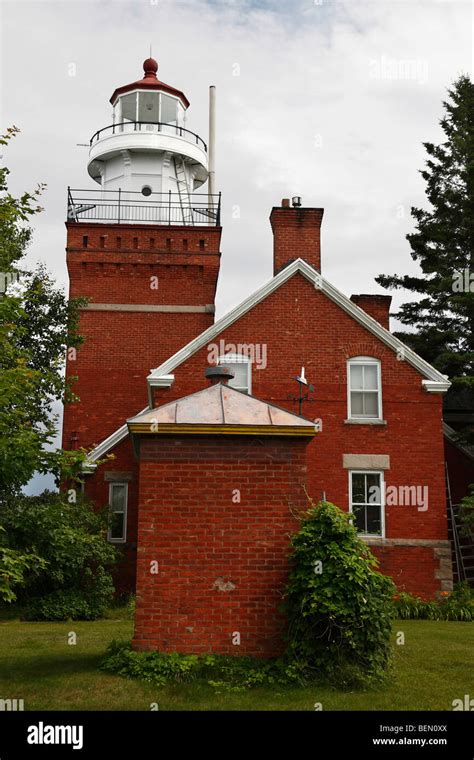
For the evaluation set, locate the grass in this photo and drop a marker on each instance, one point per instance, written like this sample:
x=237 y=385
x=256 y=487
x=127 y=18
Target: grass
x=435 y=666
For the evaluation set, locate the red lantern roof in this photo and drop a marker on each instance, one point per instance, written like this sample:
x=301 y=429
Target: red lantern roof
x=150 y=82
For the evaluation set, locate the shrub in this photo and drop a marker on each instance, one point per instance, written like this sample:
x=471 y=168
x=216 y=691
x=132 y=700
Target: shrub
x=71 y=540
x=70 y=604
x=228 y=673
x=459 y=605
x=339 y=607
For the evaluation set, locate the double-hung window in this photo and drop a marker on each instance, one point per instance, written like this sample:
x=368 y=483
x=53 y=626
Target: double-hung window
x=118 y=497
x=366 y=501
x=364 y=388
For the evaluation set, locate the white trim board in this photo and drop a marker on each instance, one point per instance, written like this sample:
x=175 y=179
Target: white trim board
x=438 y=382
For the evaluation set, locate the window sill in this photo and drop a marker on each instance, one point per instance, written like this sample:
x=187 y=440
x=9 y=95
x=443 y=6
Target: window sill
x=365 y=422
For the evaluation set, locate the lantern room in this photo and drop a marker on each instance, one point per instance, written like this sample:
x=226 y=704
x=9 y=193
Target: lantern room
x=149 y=101
x=148 y=155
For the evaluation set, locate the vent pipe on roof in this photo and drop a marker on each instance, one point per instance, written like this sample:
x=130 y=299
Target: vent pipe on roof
x=219 y=375
x=212 y=144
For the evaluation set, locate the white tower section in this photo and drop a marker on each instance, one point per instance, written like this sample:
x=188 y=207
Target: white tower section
x=147 y=150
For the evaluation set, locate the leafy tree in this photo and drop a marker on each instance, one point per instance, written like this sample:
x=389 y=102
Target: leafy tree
x=339 y=606
x=13 y=566
x=442 y=320
x=37 y=325
x=69 y=536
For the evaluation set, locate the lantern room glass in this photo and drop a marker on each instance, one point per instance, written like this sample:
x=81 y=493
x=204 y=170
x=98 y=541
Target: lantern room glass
x=149 y=106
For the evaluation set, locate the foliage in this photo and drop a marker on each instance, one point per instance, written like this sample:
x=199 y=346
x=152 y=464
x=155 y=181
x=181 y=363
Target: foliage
x=88 y=603
x=339 y=607
x=228 y=673
x=70 y=536
x=458 y=605
x=37 y=325
x=466 y=513
x=13 y=566
x=442 y=320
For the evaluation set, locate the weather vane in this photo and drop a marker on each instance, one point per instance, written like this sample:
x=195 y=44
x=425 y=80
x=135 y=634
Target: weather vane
x=303 y=383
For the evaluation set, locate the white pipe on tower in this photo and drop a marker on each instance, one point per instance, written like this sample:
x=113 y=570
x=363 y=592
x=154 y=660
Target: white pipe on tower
x=212 y=144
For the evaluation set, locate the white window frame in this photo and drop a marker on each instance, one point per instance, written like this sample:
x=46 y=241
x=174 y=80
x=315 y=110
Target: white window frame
x=364 y=360
x=380 y=473
x=233 y=358
x=125 y=514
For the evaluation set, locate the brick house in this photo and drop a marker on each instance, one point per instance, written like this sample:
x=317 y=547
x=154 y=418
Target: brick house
x=372 y=439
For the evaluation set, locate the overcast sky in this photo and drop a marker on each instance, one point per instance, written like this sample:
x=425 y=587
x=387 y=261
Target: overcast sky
x=327 y=99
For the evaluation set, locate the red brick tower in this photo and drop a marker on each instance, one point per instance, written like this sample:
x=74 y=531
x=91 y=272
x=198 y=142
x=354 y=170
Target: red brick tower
x=144 y=249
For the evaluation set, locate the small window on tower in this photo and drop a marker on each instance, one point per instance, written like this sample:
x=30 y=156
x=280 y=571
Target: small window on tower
x=146 y=190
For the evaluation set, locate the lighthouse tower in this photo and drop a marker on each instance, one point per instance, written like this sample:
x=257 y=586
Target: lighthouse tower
x=147 y=159
x=143 y=246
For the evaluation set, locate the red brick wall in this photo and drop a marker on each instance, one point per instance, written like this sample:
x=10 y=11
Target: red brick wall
x=413 y=569
x=116 y=264
x=376 y=306
x=301 y=326
x=296 y=234
x=203 y=540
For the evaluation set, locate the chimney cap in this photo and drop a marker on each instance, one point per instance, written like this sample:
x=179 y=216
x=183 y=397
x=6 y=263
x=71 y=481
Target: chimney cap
x=296 y=201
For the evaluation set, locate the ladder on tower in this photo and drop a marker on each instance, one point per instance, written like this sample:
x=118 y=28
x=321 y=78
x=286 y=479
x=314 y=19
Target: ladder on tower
x=183 y=190
x=462 y=541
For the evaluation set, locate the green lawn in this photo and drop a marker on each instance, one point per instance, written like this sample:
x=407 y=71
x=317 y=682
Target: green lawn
x=435 y=666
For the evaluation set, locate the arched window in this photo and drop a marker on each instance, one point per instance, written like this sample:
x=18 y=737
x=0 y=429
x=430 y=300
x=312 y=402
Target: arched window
x=241 y=367
x=364 y=388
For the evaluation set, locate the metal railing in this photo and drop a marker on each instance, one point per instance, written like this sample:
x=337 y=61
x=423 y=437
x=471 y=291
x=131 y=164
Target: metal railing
x=150 y=127
x=124 y=206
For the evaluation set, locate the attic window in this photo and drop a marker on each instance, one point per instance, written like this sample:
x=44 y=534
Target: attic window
x=241 y=367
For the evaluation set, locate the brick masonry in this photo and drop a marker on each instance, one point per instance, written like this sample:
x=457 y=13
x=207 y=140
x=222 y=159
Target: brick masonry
x=222 y=562
x=299 y=326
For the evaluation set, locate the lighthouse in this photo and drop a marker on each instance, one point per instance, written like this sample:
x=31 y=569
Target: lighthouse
x=143 y=247
x=148 y=163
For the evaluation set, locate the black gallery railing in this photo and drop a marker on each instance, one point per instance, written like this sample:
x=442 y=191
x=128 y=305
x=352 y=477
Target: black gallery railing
x=148 y=127
x=123 y=206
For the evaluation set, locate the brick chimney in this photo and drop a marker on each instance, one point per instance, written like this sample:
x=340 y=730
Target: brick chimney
x=377 y=307
x=296 y=234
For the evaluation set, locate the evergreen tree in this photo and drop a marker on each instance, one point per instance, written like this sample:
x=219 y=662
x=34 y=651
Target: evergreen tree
x=442 y=320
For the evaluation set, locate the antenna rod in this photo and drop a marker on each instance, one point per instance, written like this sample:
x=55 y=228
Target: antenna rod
x=212 y=145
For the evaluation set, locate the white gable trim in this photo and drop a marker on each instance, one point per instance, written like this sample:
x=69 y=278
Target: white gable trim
x=333 y=293
x=438 y=383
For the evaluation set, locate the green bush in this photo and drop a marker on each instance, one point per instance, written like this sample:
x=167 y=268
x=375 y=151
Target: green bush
x=459 y=605
x=70 y=538
x=228 y=673
x=339 y=607
x=69 y=604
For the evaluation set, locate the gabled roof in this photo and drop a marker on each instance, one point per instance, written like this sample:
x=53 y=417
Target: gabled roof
x=220 y=410
x=433 y=382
